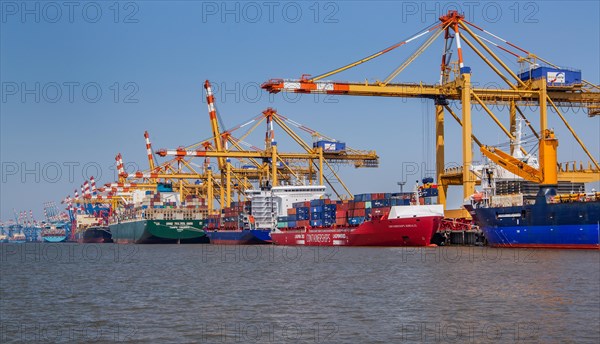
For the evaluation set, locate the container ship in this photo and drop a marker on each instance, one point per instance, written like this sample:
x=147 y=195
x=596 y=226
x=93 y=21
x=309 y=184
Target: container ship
x=378 y=219
x=236 y=227
x=92 y=229
x=251 y=222
x=513 y=212
x=160 y=218
x=5 y=233
x=550 y=220
x=97 y=235
x=16 y=235
x=56 y=231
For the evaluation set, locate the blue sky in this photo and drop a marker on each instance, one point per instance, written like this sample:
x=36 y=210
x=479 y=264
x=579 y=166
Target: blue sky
x=149 y=59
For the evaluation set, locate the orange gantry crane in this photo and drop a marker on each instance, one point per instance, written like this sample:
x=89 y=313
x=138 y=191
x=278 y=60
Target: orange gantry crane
x=524 y=89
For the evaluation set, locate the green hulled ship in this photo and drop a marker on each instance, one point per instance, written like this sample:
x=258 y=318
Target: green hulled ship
x=159 y=231
x=160 y=226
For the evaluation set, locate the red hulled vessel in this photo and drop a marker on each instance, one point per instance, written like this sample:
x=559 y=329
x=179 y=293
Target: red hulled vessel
x=412 y=225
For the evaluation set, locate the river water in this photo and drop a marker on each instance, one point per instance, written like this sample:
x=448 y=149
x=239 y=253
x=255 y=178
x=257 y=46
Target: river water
x=103 y=293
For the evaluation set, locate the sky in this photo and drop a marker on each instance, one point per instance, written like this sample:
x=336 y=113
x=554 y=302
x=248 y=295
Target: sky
x=82 y=81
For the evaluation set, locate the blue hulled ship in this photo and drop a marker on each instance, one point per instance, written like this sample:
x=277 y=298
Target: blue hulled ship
x=548 y=221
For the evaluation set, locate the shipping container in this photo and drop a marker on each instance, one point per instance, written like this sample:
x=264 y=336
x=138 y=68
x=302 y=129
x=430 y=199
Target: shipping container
x=316 y=223
x=317 y=209
x=554 y=76
x=355 y=220
x=302 y=216
x=317 y=202
x=378 y=203
x=330 y=146
x=329 y=207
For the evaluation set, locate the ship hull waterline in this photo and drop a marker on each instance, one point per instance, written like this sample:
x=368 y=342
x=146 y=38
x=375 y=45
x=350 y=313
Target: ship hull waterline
x=240 y=237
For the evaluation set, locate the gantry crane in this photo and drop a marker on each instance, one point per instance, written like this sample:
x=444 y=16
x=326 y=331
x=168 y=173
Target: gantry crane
x=270 y=164
x=521 y=91
x=271 y=156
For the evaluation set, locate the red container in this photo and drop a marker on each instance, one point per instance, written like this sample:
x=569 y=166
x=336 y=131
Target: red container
x=340 y=214
x=380 y=211
x=343 y=206
x=303 y=223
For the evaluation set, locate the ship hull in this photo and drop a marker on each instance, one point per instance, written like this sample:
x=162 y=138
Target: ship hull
x=159 y=232
x=55 y=239
x=556 y=225
x=416 y=231
x=240 y=237
x=96 y=236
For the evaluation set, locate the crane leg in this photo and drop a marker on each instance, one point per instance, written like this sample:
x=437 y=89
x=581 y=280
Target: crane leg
x=467 y=130
x=439 y=153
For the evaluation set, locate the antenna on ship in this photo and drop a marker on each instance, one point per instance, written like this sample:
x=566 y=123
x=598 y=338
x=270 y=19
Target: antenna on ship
x=401 y=184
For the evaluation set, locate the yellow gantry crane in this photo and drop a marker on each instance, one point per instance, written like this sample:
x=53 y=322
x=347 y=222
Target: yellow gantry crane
x=525 y=89
x=269 y=164
x=278 y=165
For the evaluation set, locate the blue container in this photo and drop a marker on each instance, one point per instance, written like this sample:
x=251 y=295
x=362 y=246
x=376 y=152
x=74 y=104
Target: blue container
x=329 y=207
x=317 y=209
x=362 y=198
x=161 y=187
x=329 y=215
x=292 y=217
x=554 y=76
x=316 y=223
x=292 y=224
x=317 y=202
x=316 y=216
x=330 y=146
x=302 y=217
x=302 y=210
x=356 y=220
x=380 y=203
x=328 y=222
x=282 y=218
x=429 y=192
